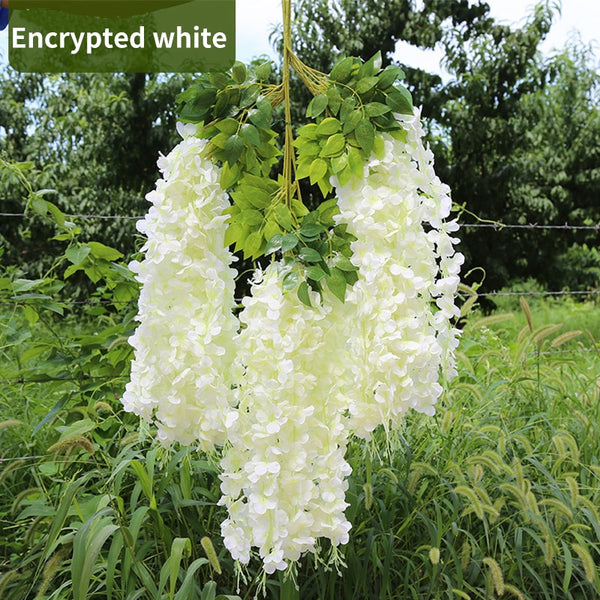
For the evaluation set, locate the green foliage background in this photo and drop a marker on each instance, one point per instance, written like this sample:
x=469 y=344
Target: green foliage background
x=514 y=134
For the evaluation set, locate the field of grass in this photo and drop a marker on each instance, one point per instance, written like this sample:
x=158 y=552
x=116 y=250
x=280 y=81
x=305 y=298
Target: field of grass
x=498 y=495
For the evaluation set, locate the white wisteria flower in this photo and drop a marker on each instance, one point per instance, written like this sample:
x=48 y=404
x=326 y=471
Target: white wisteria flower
x=284 y=473
x=402 y=306
x=184 y=344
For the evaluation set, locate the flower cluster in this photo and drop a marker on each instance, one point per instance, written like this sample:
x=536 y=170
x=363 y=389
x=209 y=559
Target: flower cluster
x=184 y=344
x=283 y=386
x=402 y=305
x=284 y=473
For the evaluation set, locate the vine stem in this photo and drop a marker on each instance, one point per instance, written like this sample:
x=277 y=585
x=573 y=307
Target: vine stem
x=288 y=590
x=289 y=134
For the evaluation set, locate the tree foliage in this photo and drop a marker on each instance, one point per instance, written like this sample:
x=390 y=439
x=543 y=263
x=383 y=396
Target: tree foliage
x=91 y=141
x=513 y=134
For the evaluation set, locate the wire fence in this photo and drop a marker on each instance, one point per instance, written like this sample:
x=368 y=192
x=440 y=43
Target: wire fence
x=496 y=225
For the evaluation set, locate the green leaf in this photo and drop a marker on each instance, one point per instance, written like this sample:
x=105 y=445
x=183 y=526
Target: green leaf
x=309 y=255
x=284 y=217
x=339 y=162
x=375 y=109
x=273 y=244
x=311 y=230
x=366 y=84
x=308 y=131
x=251 y=217
x=309 y=148
x=263 y=71
x=251 y=135
x=335 y=99
x=298 y=208
x=317 y=105
x=389 y=76
x=318 y=170
x=342 y=69
x=235 y=233
x=259 y=118
x=238 y=72
x=249 y=95
x=327 y=210
x=290 y=281
x=77 y=254
x=344 y=264
x=344 y=176
x=179 y=548
x=336 y=282
x=371 y=66
x=365 y=135
x=348 y=105
x=303 y=167
x=351 y=121
x=230 y=176
x=233 y=149
x=71 y=269
x=400 y=100
x=31 y=314
x=334 y=145
x=325 y=186
x=219 y=80
x=289 y=242
x=303 y=294
x=257 y=197
x=38 y=205
x=101 y=251
x=228 y=126
x=220 y=139
x=328 y=126
x=252 y=244
x=87 y=545
x=315 y=272
x=356 y=162
x=271 y=229
x=264 y=106
x=55 y=213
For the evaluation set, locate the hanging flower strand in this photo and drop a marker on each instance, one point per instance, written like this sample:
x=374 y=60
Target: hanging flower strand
x=284 y=472
x=184 y=344
x=402 y=305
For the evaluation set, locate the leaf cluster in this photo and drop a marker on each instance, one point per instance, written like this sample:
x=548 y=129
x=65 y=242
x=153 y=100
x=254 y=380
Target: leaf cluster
x=361 y=100
x=267 y=215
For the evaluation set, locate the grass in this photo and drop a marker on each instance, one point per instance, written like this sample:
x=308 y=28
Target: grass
x=496 y=496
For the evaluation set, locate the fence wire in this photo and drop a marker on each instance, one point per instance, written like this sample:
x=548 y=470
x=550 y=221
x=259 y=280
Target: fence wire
x=496 y=225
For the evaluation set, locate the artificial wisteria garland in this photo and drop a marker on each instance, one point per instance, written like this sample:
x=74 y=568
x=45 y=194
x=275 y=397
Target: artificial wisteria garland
x=284 y=471
x=347 y=326
x=185 y=343
x=402 y=306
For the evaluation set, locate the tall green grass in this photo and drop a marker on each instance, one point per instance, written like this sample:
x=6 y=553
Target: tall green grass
x=497 y=496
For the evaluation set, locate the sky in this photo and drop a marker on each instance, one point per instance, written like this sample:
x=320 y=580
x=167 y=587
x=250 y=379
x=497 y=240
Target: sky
x=256 y=19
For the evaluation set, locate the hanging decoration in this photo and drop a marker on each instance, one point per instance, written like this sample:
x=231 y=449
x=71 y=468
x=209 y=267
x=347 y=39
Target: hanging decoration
x=349 y=319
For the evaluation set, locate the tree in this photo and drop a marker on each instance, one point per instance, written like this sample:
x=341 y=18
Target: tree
x=484 y=131
x=94 y=140
x=560 y=171
x=493 y=126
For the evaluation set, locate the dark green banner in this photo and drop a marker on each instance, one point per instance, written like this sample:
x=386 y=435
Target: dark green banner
x=134 y=36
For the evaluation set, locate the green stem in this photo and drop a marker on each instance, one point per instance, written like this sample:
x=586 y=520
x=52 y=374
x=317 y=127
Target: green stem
x=289 y=135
